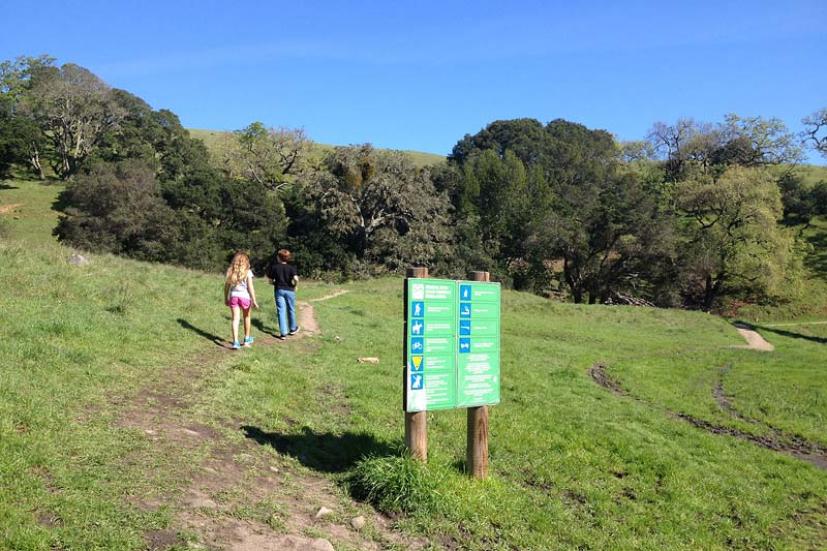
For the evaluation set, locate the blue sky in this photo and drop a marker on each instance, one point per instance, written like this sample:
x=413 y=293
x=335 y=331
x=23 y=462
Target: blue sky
x=420 y=75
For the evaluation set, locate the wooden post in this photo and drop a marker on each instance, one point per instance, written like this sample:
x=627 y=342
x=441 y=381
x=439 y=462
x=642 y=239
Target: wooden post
x=476 y=451
x=416 y=428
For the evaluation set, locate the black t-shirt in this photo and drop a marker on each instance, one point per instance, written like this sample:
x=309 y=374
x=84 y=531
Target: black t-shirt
x=282 y=275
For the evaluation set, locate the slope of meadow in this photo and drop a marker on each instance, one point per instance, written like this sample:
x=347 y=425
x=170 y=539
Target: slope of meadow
x=672 y=455
x=419 y=158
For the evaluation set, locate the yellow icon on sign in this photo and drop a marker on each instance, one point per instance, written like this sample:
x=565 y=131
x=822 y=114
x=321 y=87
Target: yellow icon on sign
x=416 y=363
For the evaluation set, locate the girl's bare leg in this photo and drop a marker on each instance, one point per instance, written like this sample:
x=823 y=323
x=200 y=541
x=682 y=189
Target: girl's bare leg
x=236 y=318
x=248 y=319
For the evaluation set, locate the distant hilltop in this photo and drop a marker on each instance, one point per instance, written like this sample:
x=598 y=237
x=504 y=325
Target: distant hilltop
x=419 y=158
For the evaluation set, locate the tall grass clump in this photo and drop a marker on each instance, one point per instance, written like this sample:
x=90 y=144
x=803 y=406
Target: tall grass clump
x=397 y=484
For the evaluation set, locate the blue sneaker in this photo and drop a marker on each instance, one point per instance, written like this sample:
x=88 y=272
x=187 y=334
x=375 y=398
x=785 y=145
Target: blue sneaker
x=248 y=341
x=235 y=345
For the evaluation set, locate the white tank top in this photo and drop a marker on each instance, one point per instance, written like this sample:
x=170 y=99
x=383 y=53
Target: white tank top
x=240 y=289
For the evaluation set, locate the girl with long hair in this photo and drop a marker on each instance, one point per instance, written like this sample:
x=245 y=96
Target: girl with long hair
x=240 y=296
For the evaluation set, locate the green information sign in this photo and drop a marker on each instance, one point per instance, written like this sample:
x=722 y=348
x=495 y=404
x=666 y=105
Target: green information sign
x=452 y=344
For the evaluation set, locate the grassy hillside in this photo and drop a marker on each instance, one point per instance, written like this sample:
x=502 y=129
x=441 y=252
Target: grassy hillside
x=117 y=407
x=419 y=158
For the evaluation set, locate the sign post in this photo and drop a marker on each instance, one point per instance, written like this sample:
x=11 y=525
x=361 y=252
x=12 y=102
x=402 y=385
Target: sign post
x=476 y=450
x=452 y=357
x=416 y=427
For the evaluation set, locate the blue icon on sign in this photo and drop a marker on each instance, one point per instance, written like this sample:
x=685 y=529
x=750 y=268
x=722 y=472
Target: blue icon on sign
x=464 y=345
x=417 y=309
x=464 y=327
x=417 y=327
x=465 y=292
x=465 y=309
x=417 y=345
x=417 y=382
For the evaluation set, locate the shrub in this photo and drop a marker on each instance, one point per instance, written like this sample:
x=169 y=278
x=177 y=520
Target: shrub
x=396 y=485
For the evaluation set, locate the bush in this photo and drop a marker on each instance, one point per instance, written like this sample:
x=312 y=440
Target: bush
x=396 y=485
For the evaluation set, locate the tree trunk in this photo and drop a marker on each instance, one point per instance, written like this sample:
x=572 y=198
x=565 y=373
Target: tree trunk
x=34 y=159
x=712 y=288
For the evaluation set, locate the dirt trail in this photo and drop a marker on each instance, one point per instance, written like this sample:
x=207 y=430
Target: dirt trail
x=754 y=339
x=307 y=314
x=236 y=484
x=5 y=209
x=775 y=439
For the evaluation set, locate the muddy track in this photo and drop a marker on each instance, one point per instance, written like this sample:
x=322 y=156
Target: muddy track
x=776 y=439
x=232 y=475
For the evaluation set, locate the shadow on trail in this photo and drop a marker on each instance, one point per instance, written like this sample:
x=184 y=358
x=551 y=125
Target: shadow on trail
x=264 y=328
x=209 y=336
x=325 y=452
x=791 y=334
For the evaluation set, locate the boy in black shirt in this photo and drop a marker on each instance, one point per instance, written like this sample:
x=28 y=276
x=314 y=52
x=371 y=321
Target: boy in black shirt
x=284 y=278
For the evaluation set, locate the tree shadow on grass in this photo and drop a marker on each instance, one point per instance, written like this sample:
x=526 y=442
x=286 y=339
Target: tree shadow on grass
x=816 y=261
x=209 y=336
x=325 y=452
x=4 y=185
x=819 y=340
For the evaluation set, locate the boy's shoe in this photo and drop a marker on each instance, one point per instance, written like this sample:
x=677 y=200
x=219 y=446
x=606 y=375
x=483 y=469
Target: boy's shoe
x=294 y=331
x=281 y=337
x=248 y=341
x=235 y=345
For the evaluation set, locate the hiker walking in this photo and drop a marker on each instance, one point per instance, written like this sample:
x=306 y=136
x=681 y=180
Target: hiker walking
x=240 y=296
x=284 y=278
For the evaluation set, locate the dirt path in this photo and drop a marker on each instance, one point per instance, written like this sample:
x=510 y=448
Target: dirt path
x=237 y=494
x=754 y=339
x=307 y=314
x=5 y=209
x=775 y=439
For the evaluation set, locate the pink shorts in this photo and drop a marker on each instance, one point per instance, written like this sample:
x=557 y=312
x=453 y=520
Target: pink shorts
x=241 y=302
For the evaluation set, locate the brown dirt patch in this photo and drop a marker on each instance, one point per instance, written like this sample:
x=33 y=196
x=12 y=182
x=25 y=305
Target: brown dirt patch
x=160 y=540
x=598 y=373
x=240 y=495
x=754 y=339
x=5 y=209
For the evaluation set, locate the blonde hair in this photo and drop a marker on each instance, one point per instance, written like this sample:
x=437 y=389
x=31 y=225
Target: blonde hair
x=237 y=272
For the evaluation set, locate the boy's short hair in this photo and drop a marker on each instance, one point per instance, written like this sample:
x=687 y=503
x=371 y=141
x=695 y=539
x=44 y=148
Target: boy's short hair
x=284 y=255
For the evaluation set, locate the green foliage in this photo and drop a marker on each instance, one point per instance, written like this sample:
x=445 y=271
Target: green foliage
x=732 y=238
x=117 y=208
x=396 y=485
x=266 y=156
x=377 y=206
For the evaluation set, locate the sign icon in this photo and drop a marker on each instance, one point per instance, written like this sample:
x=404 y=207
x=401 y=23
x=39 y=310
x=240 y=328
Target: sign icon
x=418 y=309
x=465 y=327
x=417 y=327
x=417 y=382
x=417 y=363
x=465 y=309
x=417 y=345
x=465 y=292
x=418 y=291
x=464 y=345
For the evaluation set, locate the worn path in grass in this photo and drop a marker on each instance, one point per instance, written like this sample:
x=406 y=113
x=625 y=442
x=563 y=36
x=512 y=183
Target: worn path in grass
x=754 y=339
x=234 y=477
x=775 y=438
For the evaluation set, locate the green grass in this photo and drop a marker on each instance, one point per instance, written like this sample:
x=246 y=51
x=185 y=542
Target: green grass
x=419 y=158
x=572 y=464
